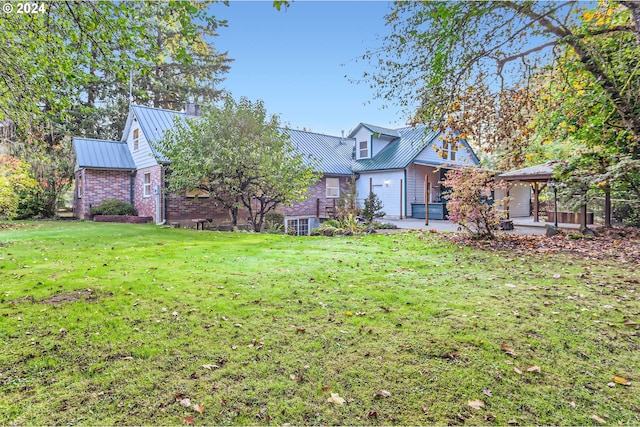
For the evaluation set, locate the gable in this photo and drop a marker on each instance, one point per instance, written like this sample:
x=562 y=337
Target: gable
x=433 y=153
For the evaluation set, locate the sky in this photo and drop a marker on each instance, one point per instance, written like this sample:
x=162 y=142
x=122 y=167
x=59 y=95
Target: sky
x=300 y=61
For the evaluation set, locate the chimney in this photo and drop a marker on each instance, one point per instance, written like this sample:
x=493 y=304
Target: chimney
x=192 y=109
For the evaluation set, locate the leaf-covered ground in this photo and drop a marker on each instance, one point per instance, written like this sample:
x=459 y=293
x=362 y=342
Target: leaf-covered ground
x=615 y=244
x=105 y=324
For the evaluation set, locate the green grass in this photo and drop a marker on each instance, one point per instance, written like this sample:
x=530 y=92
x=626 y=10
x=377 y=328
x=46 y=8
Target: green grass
x=105 y=324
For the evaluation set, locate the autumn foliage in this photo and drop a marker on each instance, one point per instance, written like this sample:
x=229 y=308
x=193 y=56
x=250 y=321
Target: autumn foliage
x=470 y=202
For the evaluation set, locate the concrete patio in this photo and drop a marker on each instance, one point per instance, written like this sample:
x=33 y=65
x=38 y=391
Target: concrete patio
x=520 y=225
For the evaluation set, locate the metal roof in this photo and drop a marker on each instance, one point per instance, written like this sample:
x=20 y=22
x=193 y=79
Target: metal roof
x=154 y=122
x=542 y=172
x=376 y=129
x=398 y=154
x=332 y=153
x=102 y=154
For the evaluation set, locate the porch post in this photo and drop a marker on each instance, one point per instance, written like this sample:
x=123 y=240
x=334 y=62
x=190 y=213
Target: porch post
x=536 y=201
x=426 y=198
x=370 y=185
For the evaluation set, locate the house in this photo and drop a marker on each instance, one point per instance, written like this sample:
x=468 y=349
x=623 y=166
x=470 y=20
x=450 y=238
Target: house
x=396 y=164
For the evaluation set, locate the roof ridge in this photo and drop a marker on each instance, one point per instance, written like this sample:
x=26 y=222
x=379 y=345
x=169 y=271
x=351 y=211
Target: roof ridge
x=317 y=133
x=159 y=109
x=98 y=140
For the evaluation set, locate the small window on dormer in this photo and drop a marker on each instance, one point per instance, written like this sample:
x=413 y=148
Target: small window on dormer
x=135 y=139
x=364 y=149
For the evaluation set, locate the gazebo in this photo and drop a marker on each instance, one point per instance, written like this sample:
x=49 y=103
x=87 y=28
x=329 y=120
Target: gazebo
x=537 y=176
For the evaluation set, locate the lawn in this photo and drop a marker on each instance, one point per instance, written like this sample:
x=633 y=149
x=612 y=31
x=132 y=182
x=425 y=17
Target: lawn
x=105 y=324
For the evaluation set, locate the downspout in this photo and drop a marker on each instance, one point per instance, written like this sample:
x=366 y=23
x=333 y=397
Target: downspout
x=164 y=195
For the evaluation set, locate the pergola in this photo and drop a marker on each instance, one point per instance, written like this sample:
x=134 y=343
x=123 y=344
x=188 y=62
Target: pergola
x=538 y=176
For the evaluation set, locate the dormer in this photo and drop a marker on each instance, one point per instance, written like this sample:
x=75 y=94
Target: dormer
x=370 y=140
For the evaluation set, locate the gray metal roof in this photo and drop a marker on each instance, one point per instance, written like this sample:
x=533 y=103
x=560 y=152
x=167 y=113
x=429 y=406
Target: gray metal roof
x=543 y=172
x=398 y=154
x=377 y=130
x=101 y=154
x=154 y=122
x=332 y=153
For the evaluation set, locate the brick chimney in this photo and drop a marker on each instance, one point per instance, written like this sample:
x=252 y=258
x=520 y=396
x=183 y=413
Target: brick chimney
x=192 y=109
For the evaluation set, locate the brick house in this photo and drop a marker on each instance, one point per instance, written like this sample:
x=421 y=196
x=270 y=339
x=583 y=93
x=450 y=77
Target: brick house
x=396 y=164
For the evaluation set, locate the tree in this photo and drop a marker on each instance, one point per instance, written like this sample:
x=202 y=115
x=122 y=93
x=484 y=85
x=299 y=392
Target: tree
x=438 y=51
x=347 y=204
x=470 y=201
x=240 y=157
x=372 y=208
x=16 y=187
x=65 y=71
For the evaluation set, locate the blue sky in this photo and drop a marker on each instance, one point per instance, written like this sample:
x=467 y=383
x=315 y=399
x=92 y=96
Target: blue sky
x=296 y=60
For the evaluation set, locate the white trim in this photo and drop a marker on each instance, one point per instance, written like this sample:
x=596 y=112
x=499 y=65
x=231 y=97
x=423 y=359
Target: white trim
x=146 y=186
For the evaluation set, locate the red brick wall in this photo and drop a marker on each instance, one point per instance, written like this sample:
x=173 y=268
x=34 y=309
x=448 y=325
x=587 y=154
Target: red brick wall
x=310 y=206
x=146 y=206
x=180 y=207
x=100 y=185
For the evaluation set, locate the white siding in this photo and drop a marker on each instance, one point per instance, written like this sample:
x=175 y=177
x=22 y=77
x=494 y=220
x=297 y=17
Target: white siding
x=429 y=155
x=520 y=200
x=363 y=134
x=143 y=156
x=386 y=185
x=380 y=143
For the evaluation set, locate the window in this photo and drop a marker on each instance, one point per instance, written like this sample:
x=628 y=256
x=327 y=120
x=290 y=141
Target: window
x=299 y=227
x=364 y=149
x=136 y=133
x=146 y=188
x=333 y=187
x=79 y=183
x=449 y=150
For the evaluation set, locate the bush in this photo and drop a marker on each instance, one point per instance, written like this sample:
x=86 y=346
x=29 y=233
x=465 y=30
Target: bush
x=113 y=207
x=335 y=227
x=274 y=217
x=372 y=208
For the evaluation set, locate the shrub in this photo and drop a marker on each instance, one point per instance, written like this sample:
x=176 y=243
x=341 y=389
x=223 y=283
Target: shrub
x=348 y=202
x=113 y=207
x=372 y=208
x=274 y=217
x=470 y=202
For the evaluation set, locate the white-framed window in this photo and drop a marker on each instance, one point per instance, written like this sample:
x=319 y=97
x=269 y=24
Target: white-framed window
x=298 y=226
x=363 y=149
x=146 y=186
x=333 y=187
x=136 y=138
x=79 y=183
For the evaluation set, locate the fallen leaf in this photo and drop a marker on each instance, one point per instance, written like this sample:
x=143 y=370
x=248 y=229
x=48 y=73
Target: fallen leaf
x=621 y=380
x=508 y=350
x=238 y=325
x=211 y=367
x=487 y=392
x=361 y=313
x=598 y=419
x=489 y=417
x=510 y=285
x=381 y=394
x=335 y=398
x=300 y=330
x=556 y=276
x=372 y=414
x=189 y=420
x=534 y=369
x=424 y=409
x=262 y=412
x=186 y=402
x=631 y=324
x=175 y=313
x=571 y=403
x=327 y=389
x=476 y=404
x=348 y=313
x=198 y=408
x=512 y=422
x=517 y=371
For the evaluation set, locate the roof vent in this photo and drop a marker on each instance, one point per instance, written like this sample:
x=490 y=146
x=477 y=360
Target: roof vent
x=192 y=109
x=342 y=139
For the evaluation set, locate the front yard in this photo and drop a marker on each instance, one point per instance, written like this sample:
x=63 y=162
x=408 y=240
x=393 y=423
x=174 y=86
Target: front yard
x=126 y=324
